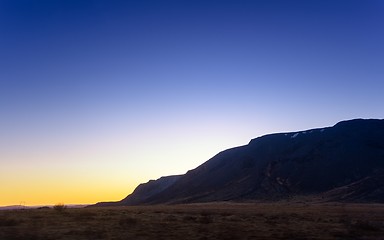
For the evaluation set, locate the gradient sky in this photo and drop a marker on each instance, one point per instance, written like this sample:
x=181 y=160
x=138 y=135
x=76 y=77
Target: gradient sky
x=99 y=96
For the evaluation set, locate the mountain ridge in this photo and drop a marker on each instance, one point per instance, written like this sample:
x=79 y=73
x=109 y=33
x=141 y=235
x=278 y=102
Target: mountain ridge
x=318 y=161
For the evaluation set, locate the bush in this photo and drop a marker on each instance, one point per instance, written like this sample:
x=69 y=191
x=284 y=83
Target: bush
x=60 y=207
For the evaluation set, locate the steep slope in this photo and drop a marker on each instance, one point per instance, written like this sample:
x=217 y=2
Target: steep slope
x=150 y=189
x=144 y=191
x=287 y=164
x=368 y=189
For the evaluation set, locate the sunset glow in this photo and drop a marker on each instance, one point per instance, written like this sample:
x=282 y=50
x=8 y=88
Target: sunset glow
x=97 y=97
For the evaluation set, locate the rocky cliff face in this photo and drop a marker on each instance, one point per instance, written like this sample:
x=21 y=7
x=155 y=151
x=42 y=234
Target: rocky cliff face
x=344 y=162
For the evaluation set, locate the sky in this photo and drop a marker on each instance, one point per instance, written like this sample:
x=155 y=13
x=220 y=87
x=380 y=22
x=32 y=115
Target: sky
x=98 y=96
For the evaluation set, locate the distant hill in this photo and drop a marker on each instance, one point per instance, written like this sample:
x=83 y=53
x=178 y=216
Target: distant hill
x=13 y=207
x=18 y=207
x=340 y=163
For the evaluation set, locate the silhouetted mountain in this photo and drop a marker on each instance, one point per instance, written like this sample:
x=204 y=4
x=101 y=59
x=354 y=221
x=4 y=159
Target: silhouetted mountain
x=149 y=189
x=144 y=191
x=340 y=163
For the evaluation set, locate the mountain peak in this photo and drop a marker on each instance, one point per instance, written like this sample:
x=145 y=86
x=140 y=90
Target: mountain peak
x=358 y=122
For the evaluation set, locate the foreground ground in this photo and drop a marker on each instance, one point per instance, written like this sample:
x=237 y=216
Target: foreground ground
x=199 y=221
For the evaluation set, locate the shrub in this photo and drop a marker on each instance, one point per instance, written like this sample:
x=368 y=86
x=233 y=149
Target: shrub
x=60 y=207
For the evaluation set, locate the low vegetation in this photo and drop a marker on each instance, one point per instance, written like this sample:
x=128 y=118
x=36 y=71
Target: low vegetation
x=199 y=221
x=60 y=207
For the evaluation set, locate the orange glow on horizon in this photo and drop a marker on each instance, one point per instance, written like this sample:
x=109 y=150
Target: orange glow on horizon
x=58 y=193
x=33 y=186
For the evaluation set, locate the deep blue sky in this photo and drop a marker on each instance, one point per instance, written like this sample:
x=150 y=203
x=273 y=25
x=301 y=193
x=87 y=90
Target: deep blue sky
x=149 y=88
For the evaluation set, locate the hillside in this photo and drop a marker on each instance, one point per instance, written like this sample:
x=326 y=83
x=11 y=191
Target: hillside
x=340 y=163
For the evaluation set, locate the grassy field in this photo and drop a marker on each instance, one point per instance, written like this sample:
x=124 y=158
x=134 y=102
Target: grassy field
x=199 y=221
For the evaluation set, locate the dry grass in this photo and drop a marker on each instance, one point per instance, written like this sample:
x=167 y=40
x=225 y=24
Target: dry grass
x=199 y=221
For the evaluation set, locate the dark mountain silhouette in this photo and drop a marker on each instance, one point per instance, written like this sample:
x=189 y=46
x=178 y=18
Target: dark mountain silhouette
x=340 y=163
x=145 y=191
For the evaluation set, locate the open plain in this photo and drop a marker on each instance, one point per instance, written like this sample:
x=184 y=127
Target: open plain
x=282 y=220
